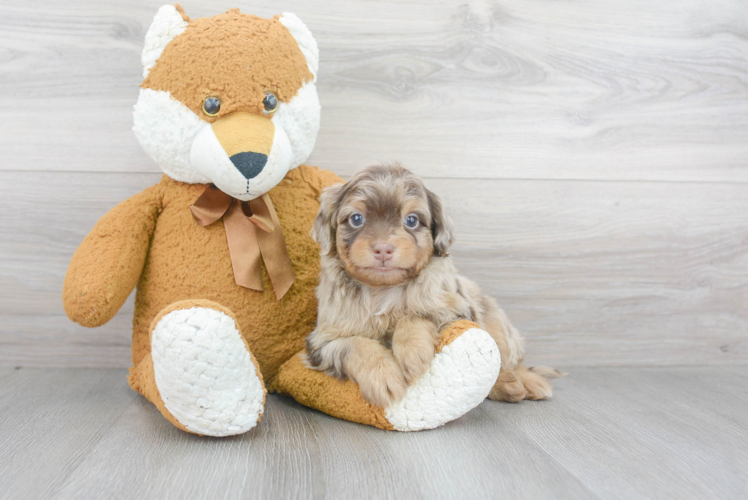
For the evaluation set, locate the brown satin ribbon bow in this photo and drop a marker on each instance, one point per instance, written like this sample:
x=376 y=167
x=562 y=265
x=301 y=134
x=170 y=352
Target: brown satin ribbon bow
x=254 y=235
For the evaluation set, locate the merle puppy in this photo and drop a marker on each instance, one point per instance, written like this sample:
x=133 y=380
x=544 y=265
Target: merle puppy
x=388 y=287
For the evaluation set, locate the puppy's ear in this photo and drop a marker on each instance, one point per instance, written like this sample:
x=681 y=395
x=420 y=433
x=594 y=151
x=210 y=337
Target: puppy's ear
x=442 y=229
x=325 y=224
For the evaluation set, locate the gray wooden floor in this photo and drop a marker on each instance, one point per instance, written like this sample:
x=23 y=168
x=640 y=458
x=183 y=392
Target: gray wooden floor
x=608 y=433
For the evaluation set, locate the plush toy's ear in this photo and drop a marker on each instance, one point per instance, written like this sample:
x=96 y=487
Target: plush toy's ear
x=442 y=228
x=169 y=22
x=323 y=229
x=304 y=38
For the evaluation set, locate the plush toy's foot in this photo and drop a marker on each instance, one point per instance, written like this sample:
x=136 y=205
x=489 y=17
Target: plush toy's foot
x=460 y=376
x=200 y=373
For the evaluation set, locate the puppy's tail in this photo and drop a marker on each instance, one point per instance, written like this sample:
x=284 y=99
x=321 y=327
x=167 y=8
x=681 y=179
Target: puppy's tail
x=535 y=380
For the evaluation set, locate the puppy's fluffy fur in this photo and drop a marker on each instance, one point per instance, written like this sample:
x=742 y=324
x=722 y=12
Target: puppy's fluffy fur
x=388 y=287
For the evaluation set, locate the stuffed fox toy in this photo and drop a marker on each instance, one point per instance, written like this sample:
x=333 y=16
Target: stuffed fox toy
x=219 y=249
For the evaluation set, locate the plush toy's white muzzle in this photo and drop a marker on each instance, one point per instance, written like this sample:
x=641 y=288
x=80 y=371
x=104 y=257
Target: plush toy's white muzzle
x=187 y=148
x=244 y=154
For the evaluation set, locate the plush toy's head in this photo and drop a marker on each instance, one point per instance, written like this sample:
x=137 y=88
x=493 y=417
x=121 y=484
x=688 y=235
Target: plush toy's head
x=228 y=100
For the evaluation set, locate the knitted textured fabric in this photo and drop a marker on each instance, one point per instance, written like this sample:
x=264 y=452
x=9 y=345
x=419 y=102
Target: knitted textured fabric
x=203 y=346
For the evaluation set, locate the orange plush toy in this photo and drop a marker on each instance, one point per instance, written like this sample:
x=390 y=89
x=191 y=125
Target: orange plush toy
x=220 y=250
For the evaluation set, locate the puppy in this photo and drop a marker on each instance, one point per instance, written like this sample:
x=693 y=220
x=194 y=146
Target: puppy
x=388 y=287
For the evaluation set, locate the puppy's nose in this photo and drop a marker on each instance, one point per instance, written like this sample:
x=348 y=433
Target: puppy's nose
x=383 y=251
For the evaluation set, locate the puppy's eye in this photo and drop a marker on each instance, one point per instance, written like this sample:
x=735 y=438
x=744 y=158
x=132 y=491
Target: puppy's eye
x=411 y=221
x=211 y=106
x=356 y=220
x=270 y=103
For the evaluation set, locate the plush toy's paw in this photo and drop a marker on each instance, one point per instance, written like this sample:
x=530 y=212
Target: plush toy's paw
x=204 y=372
x=459 y=377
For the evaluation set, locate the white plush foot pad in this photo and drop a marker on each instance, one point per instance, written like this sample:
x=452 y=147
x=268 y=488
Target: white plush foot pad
x=204 y=373
x=459 y=379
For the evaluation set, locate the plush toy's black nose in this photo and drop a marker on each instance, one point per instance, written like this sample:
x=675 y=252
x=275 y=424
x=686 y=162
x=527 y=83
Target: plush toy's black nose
x=249 y=164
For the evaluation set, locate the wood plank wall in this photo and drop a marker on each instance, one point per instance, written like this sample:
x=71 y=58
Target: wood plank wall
x=594 y=156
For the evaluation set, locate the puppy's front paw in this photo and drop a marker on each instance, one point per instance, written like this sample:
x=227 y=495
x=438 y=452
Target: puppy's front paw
x=382 y=382
x=413 y=359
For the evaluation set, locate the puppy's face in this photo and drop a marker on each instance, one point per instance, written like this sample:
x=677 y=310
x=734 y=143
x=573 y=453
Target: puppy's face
x=383 y=225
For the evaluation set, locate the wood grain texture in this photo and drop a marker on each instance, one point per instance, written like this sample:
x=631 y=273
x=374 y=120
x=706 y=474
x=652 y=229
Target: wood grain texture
x=594 y=158
x=617 y=424
x=607 y=433
x=594 y=273
x=50 y=421
x=498 y=89
x=593 y=155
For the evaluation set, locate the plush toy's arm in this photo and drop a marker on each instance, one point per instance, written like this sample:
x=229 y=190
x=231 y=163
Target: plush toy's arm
x=107 y=265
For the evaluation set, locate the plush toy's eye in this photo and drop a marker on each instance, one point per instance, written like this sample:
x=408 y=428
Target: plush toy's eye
x=411 y=221
x=211 y=106
x=356 y=220
x=270 y=103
